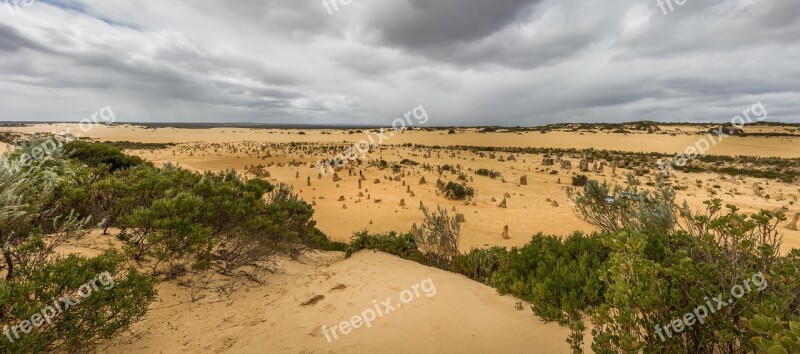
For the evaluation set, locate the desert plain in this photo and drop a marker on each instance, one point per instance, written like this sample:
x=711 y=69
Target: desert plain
x=382 y=191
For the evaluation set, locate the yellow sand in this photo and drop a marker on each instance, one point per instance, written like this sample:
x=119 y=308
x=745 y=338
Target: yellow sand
x=462 y=316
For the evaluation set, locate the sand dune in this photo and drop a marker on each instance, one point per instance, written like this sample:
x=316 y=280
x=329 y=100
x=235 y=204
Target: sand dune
x=461 y=317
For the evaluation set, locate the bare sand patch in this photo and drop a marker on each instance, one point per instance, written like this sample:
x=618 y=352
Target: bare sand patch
x=462 y=317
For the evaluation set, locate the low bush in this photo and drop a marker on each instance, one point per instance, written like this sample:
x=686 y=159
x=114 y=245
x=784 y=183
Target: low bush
x=401 y=245
x=617 y=208
x=438 y=237
x=487 y=173
x=714 y=254
x=457 y=191
x=560 y=278
x=109 y=308
x=324 y=243
x=579 y=180
x=775 y=335
x=135 y=145
x=480 y=264
x=96 y=154
x=170 y=231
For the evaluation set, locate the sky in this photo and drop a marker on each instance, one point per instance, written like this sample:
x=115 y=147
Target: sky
x=467 y=62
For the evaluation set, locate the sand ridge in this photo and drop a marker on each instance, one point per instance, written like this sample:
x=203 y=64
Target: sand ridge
x=462 y=317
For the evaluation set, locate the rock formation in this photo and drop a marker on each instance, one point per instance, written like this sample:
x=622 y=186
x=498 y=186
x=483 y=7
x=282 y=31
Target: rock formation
x=793 y=225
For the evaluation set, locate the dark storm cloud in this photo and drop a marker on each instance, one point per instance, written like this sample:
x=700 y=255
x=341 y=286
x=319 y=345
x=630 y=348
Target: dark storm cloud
x=512 y=33
x=426 y=24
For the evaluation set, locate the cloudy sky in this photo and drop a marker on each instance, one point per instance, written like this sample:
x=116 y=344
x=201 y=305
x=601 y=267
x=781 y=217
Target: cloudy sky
x=468 y=62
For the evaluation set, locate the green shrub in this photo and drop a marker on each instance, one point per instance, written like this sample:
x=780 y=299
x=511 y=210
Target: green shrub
x=170 y=231
x=480 y=264
x=775 y=336
x=33 y=202
x=294 y=214
x=628 y=208
x=177 y=217
x=283 y=225
x=401 y=245
x=27 y=211
x=136 y=145
x=96 y=154
x=120 y=300
x=560 y=278
x=438 y=237
x=326 y=244
x=381 y=164
x=712 y=255
x=9 y=137
x=457 y=191
x=579 y=180
x=487 y=173
x=119 y=193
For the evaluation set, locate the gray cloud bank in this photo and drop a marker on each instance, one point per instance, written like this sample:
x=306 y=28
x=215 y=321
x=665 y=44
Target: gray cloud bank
x=469 y=62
